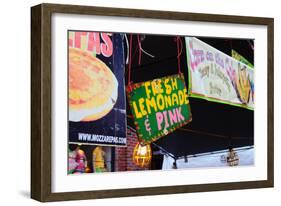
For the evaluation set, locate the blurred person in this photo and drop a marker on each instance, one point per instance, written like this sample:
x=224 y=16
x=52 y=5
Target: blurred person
x=99 y=160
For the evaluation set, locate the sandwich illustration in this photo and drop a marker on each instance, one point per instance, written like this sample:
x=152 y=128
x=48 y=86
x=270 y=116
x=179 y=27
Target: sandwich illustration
x=93 y=88
x=243 y=85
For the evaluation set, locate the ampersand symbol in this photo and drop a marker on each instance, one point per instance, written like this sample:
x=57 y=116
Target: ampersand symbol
x=147 y=125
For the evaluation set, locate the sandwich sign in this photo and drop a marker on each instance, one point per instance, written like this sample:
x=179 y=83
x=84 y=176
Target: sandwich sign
x=217 y=77
x=159 y=107
x=96 y=89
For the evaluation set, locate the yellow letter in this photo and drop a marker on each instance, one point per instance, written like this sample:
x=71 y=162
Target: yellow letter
x=141 y=101
x=185 y=96
x=138 y=114
x=168 y=101
x=147 y=90
x=181 y=97
x=168 y=86
x=174 y=83
x=160 y=101
x=175 y=100
x=151 y=103
x=156 y=86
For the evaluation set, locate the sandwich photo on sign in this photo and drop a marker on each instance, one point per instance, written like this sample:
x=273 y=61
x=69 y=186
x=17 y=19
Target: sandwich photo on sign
x=96 y=98
x=93 y=88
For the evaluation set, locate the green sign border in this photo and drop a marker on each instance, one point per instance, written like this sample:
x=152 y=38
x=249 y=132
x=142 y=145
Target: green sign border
x=201 y=96
x=241 y=58
x=132 y=87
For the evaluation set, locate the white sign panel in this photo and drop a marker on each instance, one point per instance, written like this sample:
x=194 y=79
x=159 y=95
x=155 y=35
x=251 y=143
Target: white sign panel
x=218 y=77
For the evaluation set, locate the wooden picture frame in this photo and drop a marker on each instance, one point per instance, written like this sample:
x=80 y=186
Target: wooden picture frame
x=41 y=97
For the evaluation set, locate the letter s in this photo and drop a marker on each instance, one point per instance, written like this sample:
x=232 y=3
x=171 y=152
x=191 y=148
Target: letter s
x=106 y=47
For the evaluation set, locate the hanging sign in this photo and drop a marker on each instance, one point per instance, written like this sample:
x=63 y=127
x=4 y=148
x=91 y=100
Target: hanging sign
x=96 y=89
x=215 y=76
x=159 y=107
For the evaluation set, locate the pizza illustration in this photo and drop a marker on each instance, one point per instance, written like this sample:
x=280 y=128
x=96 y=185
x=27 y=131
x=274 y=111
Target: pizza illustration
x=93 y=88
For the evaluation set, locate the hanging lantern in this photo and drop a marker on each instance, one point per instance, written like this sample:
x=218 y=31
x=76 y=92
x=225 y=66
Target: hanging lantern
x=142 y=155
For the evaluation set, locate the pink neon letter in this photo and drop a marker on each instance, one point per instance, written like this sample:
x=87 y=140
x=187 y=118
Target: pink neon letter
x=159 y=118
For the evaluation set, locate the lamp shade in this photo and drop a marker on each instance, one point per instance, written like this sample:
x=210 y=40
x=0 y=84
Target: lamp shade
x=142 y=155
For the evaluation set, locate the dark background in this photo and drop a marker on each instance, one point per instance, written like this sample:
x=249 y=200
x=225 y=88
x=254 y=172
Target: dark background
x=215 y=126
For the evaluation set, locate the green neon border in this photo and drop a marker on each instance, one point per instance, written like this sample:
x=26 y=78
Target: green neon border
x=188 y=66
x=212 y=99
x=201 y=96
x=249 y=64
x=160 y=134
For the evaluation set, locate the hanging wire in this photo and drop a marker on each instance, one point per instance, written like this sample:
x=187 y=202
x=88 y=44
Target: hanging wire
x=152 y=56
x=251 y=45
x=142 y=50
x=130 y=60
x=179 y=51
x=139 y=46
x=127 y=43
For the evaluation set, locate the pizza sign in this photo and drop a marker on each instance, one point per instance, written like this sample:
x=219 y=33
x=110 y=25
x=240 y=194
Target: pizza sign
x=96 y=89
x=159 y=107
